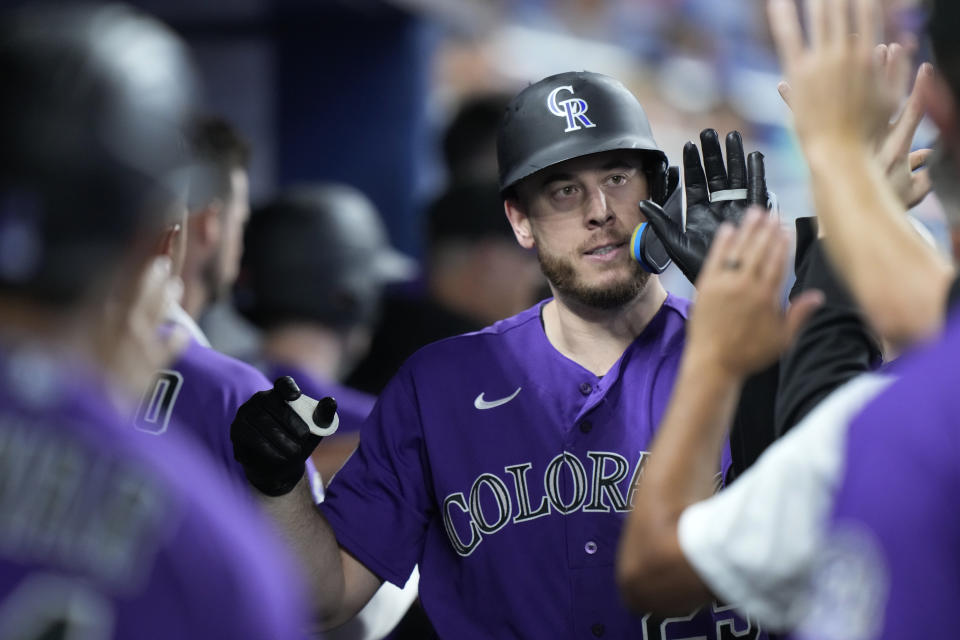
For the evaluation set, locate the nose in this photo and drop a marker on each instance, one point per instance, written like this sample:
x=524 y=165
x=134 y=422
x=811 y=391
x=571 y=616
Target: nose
x=598 y=210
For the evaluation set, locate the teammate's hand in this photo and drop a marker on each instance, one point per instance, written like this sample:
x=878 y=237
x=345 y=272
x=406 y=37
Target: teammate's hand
x=843 y=95
x=905 y=169
x=271 y=441
x=722 y=194
x=737 y=326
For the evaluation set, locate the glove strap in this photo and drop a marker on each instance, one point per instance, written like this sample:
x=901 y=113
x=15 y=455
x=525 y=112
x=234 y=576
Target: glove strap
x=637 y=250
x=728 y=194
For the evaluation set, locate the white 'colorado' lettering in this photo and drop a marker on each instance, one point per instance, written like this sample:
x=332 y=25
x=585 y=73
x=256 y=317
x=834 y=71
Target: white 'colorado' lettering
x=493 y=501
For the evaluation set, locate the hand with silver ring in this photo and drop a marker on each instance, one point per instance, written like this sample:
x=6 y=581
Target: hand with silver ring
x=737 y=325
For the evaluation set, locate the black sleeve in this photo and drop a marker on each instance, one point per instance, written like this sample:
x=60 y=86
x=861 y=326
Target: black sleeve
x=834 y=346
x=752 y=430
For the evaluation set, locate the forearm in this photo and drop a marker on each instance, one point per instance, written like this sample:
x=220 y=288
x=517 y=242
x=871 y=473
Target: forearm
x=653 y=573
x=314 y=546
x=898 y=280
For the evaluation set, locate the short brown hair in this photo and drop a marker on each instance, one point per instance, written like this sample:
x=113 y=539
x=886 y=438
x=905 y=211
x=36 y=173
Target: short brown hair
x=217 y=149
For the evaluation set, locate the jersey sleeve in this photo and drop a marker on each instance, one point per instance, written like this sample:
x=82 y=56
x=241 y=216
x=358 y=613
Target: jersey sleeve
x=754 y=543
x=379 y=503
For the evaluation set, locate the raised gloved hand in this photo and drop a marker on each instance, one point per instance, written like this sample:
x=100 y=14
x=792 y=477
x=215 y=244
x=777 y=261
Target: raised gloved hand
x=723 y=194
x=274 y=433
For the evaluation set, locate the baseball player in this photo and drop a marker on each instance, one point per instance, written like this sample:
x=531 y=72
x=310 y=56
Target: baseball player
x=200 y=391
x=501 y=461
x=102 y=536
x=198 y=394
x=316 y=261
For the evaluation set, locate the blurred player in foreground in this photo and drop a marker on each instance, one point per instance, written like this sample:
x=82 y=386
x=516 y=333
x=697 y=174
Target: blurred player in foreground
x=887 y=571
x=502 y=460
x=886 y=536
x=103 y=536
x=756 y=543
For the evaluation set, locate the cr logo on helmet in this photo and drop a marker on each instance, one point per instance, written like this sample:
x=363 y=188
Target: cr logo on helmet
x=573 y=109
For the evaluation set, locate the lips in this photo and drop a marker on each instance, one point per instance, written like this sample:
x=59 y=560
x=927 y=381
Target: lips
x=604 y=249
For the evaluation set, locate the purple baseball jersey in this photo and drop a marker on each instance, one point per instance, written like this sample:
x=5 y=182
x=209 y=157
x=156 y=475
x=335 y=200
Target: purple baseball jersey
x=104 y=534
x=353 y=406
x=200 y=394
x=505 y=470
x=893 y=563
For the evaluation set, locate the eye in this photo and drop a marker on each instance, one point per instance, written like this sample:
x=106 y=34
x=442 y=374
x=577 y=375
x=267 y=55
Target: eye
x=566 y=191
x=617 y=179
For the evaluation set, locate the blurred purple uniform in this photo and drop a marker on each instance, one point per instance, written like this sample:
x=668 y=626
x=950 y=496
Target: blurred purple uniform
x=893 y=567
x=505 y=470
x=105 y=535
x=353 y=406
x=200 y=393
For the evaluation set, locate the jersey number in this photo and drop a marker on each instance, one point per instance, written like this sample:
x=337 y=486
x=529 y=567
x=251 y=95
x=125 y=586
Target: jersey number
x=153 y=414
x=727 y=626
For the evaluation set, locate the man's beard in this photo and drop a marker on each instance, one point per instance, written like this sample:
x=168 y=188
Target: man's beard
x=561 y=274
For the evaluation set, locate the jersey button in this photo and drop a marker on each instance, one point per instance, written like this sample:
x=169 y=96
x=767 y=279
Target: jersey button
x=590 y=547
x=586 y=388
x=597 y=629
x=586 y=426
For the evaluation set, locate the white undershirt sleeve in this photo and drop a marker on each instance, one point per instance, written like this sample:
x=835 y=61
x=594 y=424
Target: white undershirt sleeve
x=754 y=543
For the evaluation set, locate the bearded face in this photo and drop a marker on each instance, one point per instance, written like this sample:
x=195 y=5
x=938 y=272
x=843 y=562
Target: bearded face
x=620 y=287
x=579 y=215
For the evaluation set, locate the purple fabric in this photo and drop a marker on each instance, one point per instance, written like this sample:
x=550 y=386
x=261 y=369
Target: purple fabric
x=353 y=406
x=200 y=394
x=513 y=511
x=102 y=529
x=893 y=567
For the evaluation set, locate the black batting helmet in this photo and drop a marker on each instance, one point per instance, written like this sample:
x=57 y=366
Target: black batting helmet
x=571 y=115
x=317 y=253
x=90 y=130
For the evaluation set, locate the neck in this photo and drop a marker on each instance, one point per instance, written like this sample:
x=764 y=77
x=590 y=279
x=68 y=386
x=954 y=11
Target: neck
x=596 y=338
x=79 y=335
x=60 y=331
x=314 y=349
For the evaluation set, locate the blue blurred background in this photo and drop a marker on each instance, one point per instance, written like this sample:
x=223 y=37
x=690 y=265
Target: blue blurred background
x=360 y=91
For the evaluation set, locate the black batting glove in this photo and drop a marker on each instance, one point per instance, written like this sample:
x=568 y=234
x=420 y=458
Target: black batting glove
x=270 y=439
x=721 y=194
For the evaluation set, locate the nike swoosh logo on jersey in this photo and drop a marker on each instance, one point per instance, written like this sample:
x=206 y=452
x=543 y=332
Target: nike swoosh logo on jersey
x=482 y=404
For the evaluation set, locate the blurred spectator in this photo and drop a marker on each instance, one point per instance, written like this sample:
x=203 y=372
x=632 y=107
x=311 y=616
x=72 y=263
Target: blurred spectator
x=476 y=274
x=470 y=141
